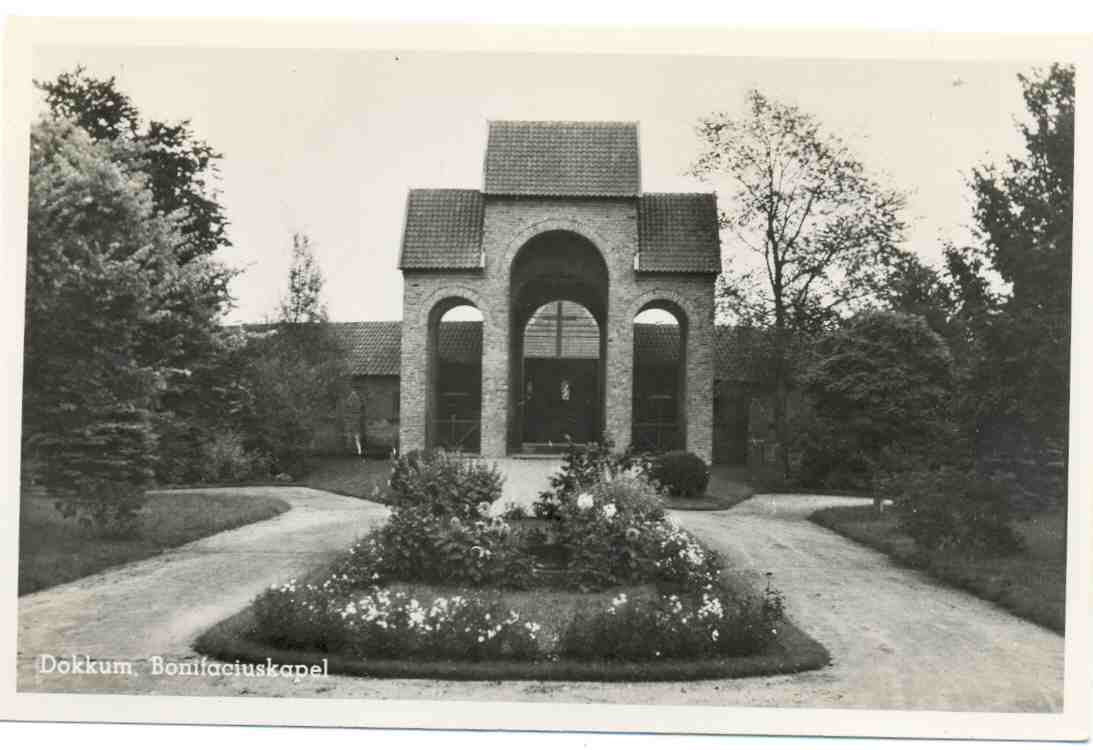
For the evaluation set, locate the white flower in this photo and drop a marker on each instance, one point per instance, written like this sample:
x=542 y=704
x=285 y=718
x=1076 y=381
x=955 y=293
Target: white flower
x=584 y=501
x=483 y=508
x=609 y=510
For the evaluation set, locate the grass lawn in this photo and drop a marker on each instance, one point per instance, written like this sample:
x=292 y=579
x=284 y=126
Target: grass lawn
x=53 y=549
x=1031 y=584
x=729 y=486
x=350 y=476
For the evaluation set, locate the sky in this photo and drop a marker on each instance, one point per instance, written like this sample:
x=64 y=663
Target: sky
x=328 y=142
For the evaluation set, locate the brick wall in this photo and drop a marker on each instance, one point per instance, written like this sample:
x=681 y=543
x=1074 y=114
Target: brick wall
x=609 y=224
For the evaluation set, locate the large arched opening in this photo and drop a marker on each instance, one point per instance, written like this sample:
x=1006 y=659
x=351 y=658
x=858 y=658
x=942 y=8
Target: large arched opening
x=660 y=378
x=454 y=407
x=558 y=291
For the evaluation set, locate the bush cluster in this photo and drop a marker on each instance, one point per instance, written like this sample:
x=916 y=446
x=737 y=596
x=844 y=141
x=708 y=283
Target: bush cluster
x=440 y=484
x=950 y=508
x=382 y=623
x=584 y=466
x=419 y=546
x=441 y=530
x=611 y=527
x=224 y=458
x=715 y=621
x=680 y=473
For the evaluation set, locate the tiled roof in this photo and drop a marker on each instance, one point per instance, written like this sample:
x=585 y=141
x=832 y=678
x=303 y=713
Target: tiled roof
x=678 y=232
x=460 y=341
x=375 y=347
x=563 y=159
x=443 y=230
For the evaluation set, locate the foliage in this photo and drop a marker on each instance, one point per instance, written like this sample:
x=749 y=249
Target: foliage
x=294 y=374
x=444 y=485
x=99 y=266
x=681 y=473
x=582 y=467
x=715 y=621
x=415 y=545
x=303 y=300
x=187 y=290
x=224 y=458
x=384 y=623
x=617 y=533
x=1024 y=223
x=826 y=233
x=179 y=168
x=953 y=509
x=880 y=395
x=441 y=530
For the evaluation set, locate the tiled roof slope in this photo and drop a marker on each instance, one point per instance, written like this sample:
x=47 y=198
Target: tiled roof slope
x=563 y=159
x=460 y=341
x=678 y=232
x=443 y=230
x=375 y=347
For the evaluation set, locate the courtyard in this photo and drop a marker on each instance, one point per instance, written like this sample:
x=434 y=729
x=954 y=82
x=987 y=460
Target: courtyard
x=898 y=640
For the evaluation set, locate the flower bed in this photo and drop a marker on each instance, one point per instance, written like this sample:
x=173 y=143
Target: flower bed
x=602 y=576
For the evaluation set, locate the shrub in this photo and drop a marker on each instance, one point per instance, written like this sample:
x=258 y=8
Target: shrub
x=681 y=473
x=716 y=621
x=298 y=616
x=584 y=466
x=416 y=546
x=514 y=512
x=444 y=485
x=954 y=509
x=617 y=533
x=879 y=394
x=384 y=623
x=224 y=459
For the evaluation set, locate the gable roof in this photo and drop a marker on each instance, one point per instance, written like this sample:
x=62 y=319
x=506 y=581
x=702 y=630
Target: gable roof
x=443 y=230
x=596 y=159
x=678 y=232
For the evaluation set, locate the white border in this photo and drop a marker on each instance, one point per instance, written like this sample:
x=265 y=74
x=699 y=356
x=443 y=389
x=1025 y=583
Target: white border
x=21 y=34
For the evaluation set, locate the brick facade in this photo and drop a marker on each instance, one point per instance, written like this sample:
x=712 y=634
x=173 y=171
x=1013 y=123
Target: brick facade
x=608 y=226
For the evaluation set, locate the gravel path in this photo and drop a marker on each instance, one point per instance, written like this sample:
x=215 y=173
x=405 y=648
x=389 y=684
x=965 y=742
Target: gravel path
x=898 y=640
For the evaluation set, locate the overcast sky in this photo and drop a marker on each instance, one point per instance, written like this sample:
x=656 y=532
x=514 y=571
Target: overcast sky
x=328 y=142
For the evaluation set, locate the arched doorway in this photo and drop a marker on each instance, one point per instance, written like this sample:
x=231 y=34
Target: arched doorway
x=660 y=378
x=561 y=375
x=455 y=377
x=558 y=291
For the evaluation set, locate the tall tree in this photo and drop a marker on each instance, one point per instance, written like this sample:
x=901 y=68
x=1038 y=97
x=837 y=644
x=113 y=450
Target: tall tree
x=179 y=172
x=297 y=371
x=880 y=392
x=303 y=302
x=181 y=168
x=1024 y=220
x=99 y=262
x=826 y=233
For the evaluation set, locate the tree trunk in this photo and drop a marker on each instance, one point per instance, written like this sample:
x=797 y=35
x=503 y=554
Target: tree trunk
x=781 y=386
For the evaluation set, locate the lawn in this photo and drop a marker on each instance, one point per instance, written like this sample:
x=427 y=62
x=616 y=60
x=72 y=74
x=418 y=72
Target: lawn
x=1031 y=584
x=54 y=550
x=351 y=476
